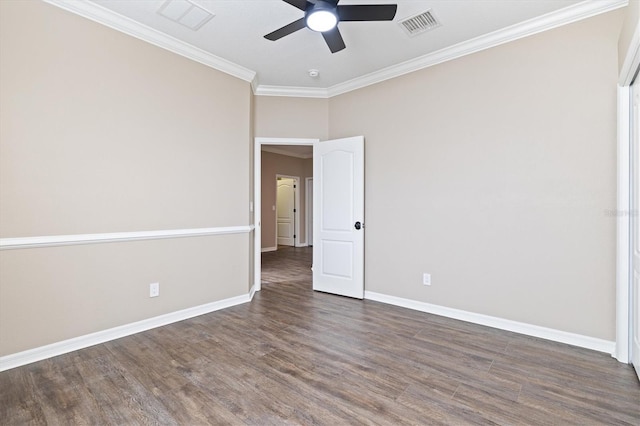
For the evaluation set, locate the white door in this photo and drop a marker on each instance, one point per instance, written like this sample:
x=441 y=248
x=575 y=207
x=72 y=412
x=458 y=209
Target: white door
x=634 y=327
x=285 y=212
x=338 y=202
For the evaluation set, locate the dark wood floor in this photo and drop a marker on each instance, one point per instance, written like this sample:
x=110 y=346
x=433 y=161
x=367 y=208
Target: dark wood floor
x=293 y=356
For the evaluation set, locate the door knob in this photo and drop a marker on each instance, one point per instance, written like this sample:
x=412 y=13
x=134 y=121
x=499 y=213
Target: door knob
x=358 y=225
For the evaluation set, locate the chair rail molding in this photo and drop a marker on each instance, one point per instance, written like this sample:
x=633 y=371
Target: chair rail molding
x=66 y=240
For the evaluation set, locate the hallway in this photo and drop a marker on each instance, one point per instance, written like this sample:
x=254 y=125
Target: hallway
x=287 y=264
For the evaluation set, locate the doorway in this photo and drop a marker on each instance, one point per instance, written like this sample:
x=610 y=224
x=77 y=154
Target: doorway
x=272 y=145
x=287 y=211
x=338 y=198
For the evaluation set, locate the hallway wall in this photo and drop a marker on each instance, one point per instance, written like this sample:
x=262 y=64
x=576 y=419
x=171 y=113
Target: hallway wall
x=272 y=165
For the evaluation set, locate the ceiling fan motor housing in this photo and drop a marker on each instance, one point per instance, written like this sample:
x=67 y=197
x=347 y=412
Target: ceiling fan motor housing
x=322 y=16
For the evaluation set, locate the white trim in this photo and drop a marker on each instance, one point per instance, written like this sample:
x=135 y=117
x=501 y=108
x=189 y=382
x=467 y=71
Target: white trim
x=252 y=292
x=280 y=151
x=308 y=210
x=257 y=214
x=257 y=191
x=302 y=245
x=568 y=15
x=66 y=240
x=37 y=354
x=111 y=19
x=631 y=62
x=500 y=323
x=295 y=92
x=284 y=141
x=254 y=84
x=268 y=249
x=623 y=228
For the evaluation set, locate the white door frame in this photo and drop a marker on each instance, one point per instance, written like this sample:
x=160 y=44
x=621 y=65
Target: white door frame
x=630 y=67
x=623 y=228
x=296 y=206
x=257 y=197
x=308 y=210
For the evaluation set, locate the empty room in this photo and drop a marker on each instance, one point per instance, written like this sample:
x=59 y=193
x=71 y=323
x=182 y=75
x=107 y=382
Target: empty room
x=319 y=212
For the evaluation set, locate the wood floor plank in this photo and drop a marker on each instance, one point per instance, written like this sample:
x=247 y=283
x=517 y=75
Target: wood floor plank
x=297 y=357
x=17 y=402
x=596 y=408
x=437 y=406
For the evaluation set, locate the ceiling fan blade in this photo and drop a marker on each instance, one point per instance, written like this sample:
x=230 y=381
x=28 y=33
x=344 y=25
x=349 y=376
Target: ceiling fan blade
x=367 y=12
x=286 y=30
x=300 y=4
x=334 y=40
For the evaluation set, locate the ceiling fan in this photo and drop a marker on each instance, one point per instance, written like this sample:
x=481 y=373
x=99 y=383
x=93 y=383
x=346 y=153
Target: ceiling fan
x=323 y=16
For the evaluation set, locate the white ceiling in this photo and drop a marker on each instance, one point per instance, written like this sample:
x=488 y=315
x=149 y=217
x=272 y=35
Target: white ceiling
x=375 y=50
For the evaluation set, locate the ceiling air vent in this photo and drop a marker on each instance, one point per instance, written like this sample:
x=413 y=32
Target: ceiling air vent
x=419 y=24
x=186 y=13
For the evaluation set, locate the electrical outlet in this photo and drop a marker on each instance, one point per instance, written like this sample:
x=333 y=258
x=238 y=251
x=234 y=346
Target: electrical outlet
x=426 y=279
x=154 y=289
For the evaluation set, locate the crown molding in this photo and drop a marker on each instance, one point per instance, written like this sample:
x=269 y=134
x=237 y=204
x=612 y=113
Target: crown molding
x=104 y=16
x=294 y=92
x=631 y=60
x=254 y=84
x=568 y=15
x=140 y=31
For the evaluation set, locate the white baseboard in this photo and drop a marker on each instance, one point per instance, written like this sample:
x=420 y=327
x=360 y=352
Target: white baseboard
x=266 y=249
x=579 y=340
x=37 y=354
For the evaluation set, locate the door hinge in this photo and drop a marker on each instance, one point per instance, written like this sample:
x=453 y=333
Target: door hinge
x=294 y=236
x=294 y=210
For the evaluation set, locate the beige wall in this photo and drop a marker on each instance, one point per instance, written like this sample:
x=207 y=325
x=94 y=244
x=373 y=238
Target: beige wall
x=273 y=165
x=53 y=294
x=493 y=173
x=285 y=117
x=282 y=117
x=630 y=26
x=101 y=132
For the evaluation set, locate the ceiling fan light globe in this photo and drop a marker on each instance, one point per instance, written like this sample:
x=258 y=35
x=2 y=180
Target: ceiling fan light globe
x=322 y=20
